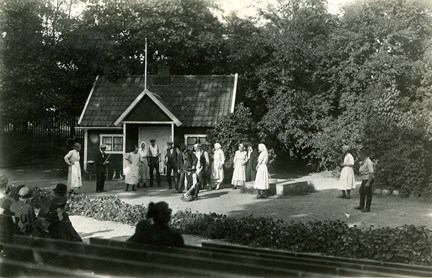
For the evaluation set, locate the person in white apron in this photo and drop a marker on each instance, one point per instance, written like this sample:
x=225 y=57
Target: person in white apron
x=347 y=179
x=217 y=174
x=132 y=169
x=74 y=175
x=262 y=175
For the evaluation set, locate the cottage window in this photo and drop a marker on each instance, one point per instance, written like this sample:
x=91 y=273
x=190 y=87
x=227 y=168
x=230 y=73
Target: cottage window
x=192 y=139
x=113 y=143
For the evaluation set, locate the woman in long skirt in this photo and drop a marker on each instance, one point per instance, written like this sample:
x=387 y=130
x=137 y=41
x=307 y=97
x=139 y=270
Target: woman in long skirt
x=217 y=173
x=347 y=180
x=262 y=176
x=240 y=160
x=74 y=175
x=144 y=173
x=132 y=169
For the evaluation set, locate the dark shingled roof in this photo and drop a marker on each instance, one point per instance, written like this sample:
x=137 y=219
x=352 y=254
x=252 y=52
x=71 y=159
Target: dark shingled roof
x=196 y=101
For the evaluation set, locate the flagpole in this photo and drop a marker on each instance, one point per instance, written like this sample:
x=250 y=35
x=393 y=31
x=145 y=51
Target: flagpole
x=145 y=66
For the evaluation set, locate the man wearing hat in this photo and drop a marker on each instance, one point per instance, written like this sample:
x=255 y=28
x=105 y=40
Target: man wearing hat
x=100 y=162
x=60 y=191
x=171 y=157
x=24 y=215
x=154 y=155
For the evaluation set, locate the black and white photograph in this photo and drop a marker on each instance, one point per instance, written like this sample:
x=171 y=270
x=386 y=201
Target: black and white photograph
x=215 y=138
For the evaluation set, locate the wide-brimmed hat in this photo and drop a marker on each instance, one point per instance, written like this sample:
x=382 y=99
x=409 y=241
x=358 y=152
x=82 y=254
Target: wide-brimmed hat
x=60 y=188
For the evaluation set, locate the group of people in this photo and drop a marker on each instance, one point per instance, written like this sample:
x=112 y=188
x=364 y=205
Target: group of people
x=249 y=165
x=366 y=174
x=187 y=170
x=191 y=170
x=18 y=214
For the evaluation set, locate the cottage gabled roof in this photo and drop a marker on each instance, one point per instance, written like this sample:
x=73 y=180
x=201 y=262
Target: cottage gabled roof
x=194 y=101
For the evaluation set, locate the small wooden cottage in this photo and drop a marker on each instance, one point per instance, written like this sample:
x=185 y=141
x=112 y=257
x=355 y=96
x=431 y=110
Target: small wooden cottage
x=121 y=113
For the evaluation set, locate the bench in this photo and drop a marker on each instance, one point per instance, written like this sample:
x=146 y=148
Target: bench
x=179 y=257
x=13 y=268
x=307 y=267
x=396 y=269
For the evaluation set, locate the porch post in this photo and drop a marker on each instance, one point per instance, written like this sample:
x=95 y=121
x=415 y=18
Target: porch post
x=124 y=138
x=85 y=148
x=172 y=132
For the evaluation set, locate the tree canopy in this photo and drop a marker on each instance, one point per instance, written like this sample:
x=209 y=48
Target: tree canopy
x=309 y=80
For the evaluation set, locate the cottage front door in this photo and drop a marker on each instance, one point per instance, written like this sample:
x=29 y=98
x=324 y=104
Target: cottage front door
x=162 y=135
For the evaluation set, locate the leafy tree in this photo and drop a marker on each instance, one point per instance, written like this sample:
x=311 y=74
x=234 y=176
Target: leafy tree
x=233 y=129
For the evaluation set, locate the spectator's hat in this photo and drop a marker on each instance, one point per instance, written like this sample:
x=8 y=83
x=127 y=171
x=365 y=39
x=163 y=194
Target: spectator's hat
x=24 y=192
x=60 y=188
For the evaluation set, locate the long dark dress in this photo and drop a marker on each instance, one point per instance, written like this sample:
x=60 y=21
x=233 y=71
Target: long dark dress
x=156 y=234
x=251 y=166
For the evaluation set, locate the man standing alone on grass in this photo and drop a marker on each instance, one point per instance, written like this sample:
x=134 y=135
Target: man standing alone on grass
x=154 y=155
x=366 y=173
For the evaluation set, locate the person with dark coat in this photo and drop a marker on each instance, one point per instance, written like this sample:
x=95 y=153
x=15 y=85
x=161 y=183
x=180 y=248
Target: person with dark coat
x=60 y=226
x=187 y=162
x=251 y=163
x=7 y=226
x=100 y=162
x=23 y=211
x=171 y=157
x=157 y=233
x=59 y=191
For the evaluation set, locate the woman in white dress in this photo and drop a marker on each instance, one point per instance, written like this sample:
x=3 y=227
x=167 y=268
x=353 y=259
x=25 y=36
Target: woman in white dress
x=240 y=160
x=132 y=169
x=347 y=180
x=74 y=175
x=217 y=174
x=262 y=175
x=144 y=173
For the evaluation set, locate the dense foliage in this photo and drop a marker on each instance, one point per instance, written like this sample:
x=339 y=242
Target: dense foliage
x=406 y=244
x=309 y=80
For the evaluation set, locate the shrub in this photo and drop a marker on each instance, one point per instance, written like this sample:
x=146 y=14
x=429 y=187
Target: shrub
x=405 y=244
x=300 y=188
x=402 y=156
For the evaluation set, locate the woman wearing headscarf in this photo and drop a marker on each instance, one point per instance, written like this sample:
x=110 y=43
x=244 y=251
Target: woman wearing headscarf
x=144 y=173
x=158 y=233
x=240 y=160
x=217 y=174
x=347 y=180
x=262 y=176
x=132 y=169
x=73 y=160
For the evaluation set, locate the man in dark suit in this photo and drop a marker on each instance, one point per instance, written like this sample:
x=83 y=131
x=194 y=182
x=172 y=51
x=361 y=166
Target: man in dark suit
x=171 y=158
x=100 y=162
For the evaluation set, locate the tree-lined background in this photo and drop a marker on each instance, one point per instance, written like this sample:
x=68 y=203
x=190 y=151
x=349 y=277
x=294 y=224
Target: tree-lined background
x=309 y=80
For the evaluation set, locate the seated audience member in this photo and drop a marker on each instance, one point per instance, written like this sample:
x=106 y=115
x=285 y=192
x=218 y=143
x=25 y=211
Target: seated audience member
x=158 y=233
x=59 y=191
x=23 y=211
x=60 y=226
x=7 y=227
